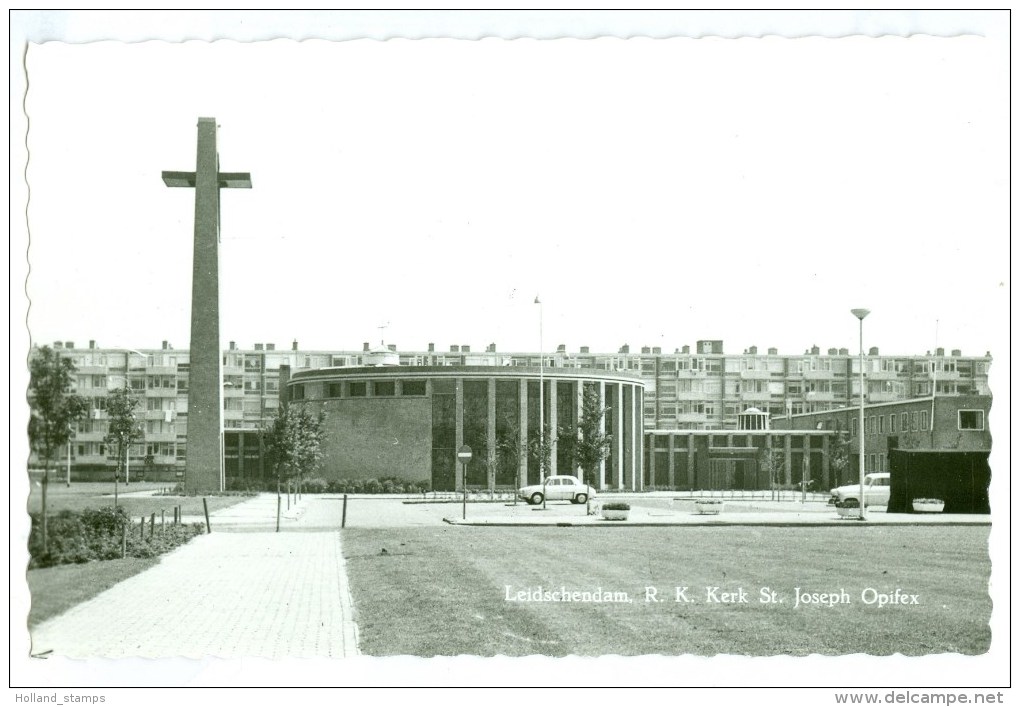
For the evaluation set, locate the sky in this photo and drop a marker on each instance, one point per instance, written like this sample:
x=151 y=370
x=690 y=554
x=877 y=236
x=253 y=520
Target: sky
x=651 y=192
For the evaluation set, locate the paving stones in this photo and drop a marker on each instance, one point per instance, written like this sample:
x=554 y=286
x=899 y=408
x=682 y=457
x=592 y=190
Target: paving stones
x=227 y=594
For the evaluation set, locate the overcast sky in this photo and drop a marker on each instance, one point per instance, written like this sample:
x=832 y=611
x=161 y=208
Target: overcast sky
x=651 y=192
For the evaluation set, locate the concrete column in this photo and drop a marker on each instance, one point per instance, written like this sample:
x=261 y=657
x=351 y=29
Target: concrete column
x=490 y=436
x=602 y=464
x=578 y=406
x=459 y=427
x=690 y=460
x=522 y=462
x=651 y=459
x=638 y=437
x=805 y=464
x=826 y=472
x=621 y=414
x=551 y=407
x=787 y=461
x=633 y=454
x=672 y=462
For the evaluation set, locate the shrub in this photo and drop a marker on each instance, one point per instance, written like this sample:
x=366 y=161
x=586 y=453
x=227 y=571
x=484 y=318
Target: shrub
x=373 y=486
x=616 y=506
x=315 y=486
x=97 y=534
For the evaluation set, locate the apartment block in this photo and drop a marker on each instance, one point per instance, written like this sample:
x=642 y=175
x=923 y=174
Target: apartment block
x=703 y=389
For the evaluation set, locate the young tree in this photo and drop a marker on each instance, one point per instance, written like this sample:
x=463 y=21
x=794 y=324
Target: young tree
x=773 y=461
x=839 y=456
x=293 y=442
x=54 y=409
x=124 y=429
x=540 y=451
x=505 y=460
x=591 y=443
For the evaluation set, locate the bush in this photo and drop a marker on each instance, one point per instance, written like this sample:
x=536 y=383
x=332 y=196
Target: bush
x=315 y=486
x=97 y=534
x=616 y=506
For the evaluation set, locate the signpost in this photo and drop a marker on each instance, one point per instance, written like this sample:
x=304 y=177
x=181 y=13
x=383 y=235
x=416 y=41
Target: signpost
x=464 y=456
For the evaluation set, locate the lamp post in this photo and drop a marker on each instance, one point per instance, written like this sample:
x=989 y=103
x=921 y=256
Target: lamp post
x=541 y=397
x=861 y=314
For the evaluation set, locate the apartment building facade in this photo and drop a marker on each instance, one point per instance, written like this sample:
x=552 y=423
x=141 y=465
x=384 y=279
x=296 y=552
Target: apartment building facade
x=701 y=390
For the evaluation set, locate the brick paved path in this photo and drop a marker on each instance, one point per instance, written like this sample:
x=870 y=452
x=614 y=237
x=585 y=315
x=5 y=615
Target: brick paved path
x=258 y=594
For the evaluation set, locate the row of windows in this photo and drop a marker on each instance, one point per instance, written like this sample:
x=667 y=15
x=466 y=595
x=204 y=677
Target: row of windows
x=364 y=389
x=882 y=424
x=917 y=422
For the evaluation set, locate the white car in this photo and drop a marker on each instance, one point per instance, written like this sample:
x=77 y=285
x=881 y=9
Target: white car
x=876 y=490
x=557 y=488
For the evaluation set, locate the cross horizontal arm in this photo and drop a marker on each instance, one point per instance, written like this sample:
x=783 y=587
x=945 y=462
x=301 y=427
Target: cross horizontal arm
x=226 y=180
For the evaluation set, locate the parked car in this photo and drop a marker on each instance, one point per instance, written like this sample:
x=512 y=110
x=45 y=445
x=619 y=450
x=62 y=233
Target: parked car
x=876 y=490
x=557 y=488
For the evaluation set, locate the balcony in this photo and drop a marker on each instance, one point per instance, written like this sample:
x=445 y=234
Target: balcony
x=822 y=375
x=92 y=370
x=161 y=392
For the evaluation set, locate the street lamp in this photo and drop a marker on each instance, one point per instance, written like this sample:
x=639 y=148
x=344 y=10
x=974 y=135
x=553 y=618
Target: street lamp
x=541 y=397
x=861 y=314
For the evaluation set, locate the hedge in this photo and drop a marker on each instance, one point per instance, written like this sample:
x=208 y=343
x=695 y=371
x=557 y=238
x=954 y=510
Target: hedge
x=319 y=485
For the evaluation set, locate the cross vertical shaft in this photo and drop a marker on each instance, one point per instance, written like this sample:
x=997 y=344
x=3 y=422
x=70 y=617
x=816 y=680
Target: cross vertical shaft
x=204 y=453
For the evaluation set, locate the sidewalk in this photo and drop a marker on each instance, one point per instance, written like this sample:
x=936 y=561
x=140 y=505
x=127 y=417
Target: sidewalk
x=225 y=594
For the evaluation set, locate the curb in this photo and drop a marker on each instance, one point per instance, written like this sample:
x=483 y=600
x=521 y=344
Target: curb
x=713 y=524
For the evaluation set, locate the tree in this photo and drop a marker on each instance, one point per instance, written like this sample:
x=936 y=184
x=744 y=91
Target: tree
x=54 y=409
x=505 y=459
x=839 y=456
x=590 y=443
x=773 y=461
x=124 y=429
x=293 y=442
x=540 y=451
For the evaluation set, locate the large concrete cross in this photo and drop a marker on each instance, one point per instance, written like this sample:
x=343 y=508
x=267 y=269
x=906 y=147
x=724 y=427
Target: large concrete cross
x=204 y=456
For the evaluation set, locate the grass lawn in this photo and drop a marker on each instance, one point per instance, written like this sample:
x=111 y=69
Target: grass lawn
x=56 y=589
x=443 y=591
x=79 y=496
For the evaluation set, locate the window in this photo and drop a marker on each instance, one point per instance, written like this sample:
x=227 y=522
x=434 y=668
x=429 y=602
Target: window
x=853 y=427
x=971 y=419
x=923 y=425
x=384 y=388
x=333 y=390
x=892 y=423
x=358 y=389
x=881 y=425
x=904 y=422
x=297 y=392
x=913 y=421
x=412 y=388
